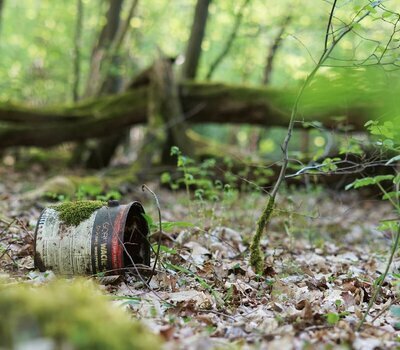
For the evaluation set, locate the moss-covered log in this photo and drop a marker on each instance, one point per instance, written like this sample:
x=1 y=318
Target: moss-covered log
x=202 y=103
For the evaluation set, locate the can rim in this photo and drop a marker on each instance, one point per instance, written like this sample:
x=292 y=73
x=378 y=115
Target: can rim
x=37 y=262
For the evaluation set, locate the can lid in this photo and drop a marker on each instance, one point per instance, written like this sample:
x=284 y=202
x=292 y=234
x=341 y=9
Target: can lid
x=112 y=203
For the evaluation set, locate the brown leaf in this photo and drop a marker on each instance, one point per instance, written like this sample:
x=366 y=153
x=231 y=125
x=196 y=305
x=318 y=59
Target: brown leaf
x=167 y=332
x=307 y=313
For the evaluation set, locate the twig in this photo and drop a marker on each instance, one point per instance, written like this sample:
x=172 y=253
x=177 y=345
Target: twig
x=329 y=26
x=9 y=224
x=21 y=224
x=144 y=187
x=146 y=283
x=382 y=279
x=380 y=313
x=5 y=251
x=4 y=221
x=217 y=313
x=135 y=265
x=139 y=267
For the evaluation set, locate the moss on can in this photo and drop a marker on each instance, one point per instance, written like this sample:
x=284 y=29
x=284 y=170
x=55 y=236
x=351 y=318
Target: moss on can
x=73 y=213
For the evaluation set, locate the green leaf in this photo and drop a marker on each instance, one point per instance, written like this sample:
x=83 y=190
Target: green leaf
x=165 y=249
x=388 y=143
x=395 y=310
x=148 y=219
x=386 y=14
x=166 y=178
x=389 y=225
x=173 y=224
x=332 y=318
x=367 y=181
x=175 y=151
x=390 y=195
x=392 y=160
x=371 y=8
x=370 y=122
x=385 y=130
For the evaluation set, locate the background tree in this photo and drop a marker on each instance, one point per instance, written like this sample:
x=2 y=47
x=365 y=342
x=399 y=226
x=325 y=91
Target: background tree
x=105 y=78
x=230 y=40
x=77 y=51
x=101 y=48
x=274 y=49
x=193 y=49
x=1 y=10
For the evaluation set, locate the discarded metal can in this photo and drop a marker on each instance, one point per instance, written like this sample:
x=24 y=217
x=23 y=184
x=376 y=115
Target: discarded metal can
x=114 y=237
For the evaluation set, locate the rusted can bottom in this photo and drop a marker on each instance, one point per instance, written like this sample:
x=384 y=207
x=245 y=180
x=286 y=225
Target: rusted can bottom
x=111 y=239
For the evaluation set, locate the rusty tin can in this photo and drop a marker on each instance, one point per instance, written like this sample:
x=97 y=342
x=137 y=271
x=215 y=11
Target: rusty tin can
x=114 y=237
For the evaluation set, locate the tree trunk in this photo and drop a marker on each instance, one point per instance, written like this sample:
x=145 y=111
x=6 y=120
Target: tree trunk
x=201 y=103
x=269 y=65
x=229 y=42
x=166 y=125
x=77 y=50
x=107 y=35
x=101 y=154
x=1 y=12
x=193 y=49
x=109 y=82
x=273 y=50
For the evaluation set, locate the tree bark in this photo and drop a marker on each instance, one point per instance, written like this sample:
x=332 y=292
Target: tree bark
x=1 y=13
x=166 y=126
x=273 y=50
x=229 y=42
x=193 y=49
x=109 y=82
x=77 y=50
x=106 y=37
x=201 y=103
x=170 y=109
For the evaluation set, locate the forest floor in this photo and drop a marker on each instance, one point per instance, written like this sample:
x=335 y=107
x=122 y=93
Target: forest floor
x=323 y=257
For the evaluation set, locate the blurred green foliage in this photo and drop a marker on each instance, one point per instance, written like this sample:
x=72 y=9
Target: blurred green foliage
x=37 y=41
x=67 y=315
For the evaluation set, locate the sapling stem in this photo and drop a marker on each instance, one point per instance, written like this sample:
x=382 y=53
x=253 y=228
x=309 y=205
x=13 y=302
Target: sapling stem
x=382 y=278
x=378 y=287
x=256 y=256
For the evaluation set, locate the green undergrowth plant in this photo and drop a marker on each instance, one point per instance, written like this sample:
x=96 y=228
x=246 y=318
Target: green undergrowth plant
x=385 y=136
x=201 y=183
x=96 y=192
x=296 y=216
x=166 y=225
x=86 y=192
x=162 y=251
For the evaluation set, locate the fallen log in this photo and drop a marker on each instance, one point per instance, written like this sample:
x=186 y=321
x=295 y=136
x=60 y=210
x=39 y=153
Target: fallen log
x=201 y=103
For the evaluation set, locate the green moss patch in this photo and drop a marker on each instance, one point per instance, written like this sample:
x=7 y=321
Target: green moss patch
x=70 y=314
x=73 y=213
